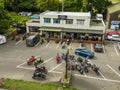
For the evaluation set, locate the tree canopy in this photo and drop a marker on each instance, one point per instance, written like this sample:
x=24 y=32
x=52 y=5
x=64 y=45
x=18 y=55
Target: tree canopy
x=56 y=5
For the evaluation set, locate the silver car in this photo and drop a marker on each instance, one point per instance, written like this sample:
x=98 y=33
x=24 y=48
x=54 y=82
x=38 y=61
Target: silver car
x=114 y=37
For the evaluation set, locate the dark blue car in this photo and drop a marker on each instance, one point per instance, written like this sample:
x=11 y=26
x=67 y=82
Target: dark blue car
x=84 y=52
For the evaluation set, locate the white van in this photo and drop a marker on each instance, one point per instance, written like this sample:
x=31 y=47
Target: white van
x=2 y=39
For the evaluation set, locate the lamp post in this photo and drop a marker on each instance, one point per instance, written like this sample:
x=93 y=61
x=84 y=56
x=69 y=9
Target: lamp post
x=66 y=63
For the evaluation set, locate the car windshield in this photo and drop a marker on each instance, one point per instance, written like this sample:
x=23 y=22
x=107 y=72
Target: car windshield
x=98 y=46
x=86 y=50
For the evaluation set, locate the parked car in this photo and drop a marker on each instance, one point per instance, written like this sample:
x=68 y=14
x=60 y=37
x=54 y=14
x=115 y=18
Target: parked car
x=2 y=39
x=112 y=32
x=119 y=45
x=84 y=52
x=115 y=37
x=98 y=48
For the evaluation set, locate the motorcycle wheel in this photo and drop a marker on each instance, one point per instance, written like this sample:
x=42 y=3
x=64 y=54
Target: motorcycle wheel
x=33 y=77
x=29 y=63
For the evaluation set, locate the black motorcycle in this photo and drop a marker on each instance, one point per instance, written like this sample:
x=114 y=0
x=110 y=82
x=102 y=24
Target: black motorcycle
x=63 y=56
x=39 y=75
x=95 y=69
x=79 y=59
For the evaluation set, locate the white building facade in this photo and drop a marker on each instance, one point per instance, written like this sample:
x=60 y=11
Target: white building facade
x=76 y=25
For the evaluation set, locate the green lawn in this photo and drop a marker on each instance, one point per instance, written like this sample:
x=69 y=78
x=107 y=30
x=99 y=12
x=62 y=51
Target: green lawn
x=13 y=84
x=114 y=1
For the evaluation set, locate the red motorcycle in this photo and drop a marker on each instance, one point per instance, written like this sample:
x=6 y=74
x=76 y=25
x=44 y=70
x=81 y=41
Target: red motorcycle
x=58 y=59
x=31 y=60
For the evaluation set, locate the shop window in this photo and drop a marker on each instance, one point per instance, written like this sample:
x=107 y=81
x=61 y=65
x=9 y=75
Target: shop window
x=80 y=21
x=47 y=20
x=55 y=20
x=69 y=21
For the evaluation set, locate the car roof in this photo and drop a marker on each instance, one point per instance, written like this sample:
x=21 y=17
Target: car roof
x=113 y=32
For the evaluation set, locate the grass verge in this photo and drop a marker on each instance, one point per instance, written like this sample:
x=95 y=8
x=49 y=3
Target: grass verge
x=13 y=84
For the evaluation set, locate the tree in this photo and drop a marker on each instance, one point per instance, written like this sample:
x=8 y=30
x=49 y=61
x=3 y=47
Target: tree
x=4 y=21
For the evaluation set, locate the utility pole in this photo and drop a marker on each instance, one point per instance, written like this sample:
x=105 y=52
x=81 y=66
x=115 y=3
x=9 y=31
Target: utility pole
x=67 y=53
x=62 y=5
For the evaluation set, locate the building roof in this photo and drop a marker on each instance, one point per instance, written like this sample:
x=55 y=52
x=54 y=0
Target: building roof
x=35 y=16
x=114 y=8
x=67 y=13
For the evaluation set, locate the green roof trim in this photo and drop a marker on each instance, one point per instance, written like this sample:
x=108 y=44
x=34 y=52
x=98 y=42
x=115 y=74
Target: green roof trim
x=114 y=8
x=50 y=29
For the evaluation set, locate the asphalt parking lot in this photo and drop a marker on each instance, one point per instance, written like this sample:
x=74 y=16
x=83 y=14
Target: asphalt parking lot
x=13 y=57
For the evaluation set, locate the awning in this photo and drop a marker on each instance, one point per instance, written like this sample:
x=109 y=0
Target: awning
x=84 y=31
x=50 y=29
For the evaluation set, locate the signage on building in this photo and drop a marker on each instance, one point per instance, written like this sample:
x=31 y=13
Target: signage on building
x=63 y=17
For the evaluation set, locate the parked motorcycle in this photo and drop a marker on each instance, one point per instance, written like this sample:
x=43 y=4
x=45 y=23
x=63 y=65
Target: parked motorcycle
x=95 y=69
x=79 y=59
x=40 y=72
x=42 y=69
x=31 y=60
x=63 y=56
x=38 y=61
x=58 y=58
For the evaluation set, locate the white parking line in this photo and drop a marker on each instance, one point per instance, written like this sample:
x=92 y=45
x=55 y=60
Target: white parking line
x=102 y=75
x=48 y=44
x=113 y=70
x=116 y=50
x=92 y=47
x=46 y=61
x=56 y=67
x=97 y=78
x=27 y=68
x=20 y=66
x=55 y=71
x=58 y=45
x=70 y=46
x=18 y=42
x=80 y=45
x=103 y=48
x=37 y=44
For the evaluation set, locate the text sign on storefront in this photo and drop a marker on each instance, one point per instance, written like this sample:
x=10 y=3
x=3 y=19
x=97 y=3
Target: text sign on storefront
x=63 y=17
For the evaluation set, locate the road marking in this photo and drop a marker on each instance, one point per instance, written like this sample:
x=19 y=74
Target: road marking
x=113 y=70
x=58 y=45
x=20 y=66
x=97 y=78
x=48 y=44
x=37 y=44
x=70 y=46
x=55 y=71
x=27 y=68
x=56 y=67
x=103 y=48
x=18 y=42
x=92 y=48
x=80 y=45
x=46 y=61
x=116 y=50
x=102 y=74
